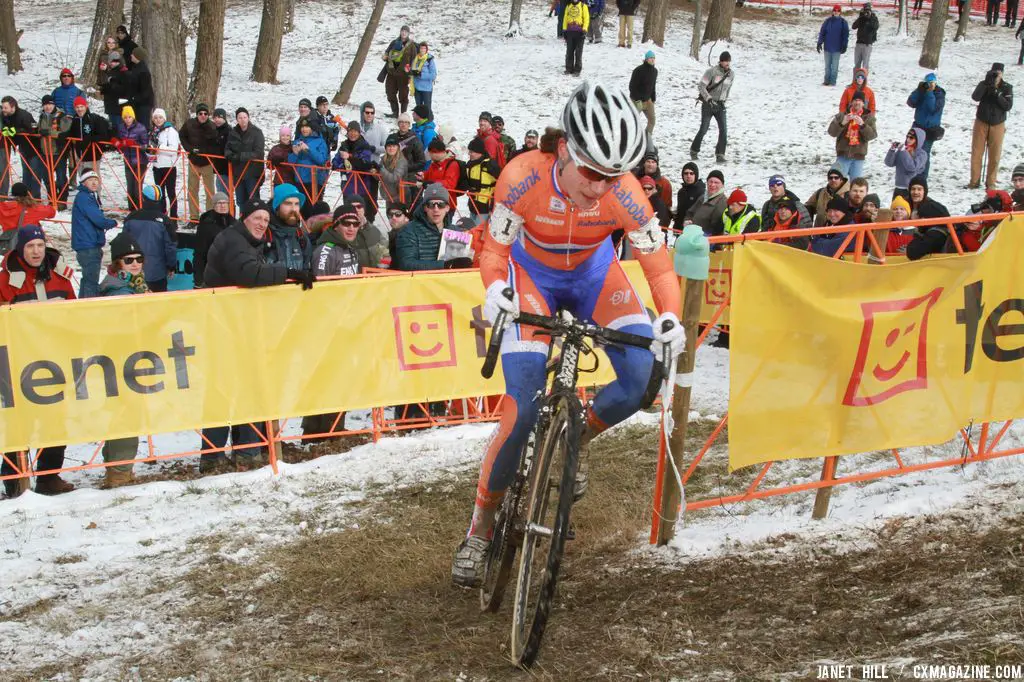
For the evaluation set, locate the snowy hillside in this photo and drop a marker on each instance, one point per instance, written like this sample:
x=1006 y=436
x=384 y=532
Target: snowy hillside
x=105 y=585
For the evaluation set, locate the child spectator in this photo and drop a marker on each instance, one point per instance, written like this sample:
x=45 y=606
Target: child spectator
x=151 y=229
x=309 y=157
x=482 y=175
x=164 y=142
x=132 y=141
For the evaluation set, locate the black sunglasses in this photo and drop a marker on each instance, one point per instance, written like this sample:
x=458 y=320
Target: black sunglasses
x=369 y=111
x=395 y=214
x=128 y=260
x=436 y=204
x=835 y=177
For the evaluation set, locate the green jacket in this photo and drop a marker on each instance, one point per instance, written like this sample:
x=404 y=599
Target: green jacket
x=419 y=243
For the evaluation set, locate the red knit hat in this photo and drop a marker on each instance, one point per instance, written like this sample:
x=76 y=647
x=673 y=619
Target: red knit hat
x=837 y=8
x=80 y=100
x=647 y=181
x=738 y=196
x=67 y=72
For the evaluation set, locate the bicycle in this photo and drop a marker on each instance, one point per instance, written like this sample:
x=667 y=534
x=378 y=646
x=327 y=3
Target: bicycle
x=528 y=517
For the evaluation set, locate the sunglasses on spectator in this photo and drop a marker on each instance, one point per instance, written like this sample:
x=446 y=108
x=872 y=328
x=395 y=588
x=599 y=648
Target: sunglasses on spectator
x=688 y=173
x=65 y=76
x=128 y=260
x=395 y=214
x=835 y=177
x=203 y=113
x=369 y=111
x=349 y=222
x=436 y=204
x=779 y=184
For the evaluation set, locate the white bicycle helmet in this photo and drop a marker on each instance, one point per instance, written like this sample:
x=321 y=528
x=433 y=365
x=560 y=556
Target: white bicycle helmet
x=603 y=129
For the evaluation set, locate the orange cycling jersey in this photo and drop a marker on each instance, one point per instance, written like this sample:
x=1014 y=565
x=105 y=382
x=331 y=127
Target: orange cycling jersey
x=531 y=209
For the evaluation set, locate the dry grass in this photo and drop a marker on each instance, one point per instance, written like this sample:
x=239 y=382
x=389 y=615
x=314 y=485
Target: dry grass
x=374 y=601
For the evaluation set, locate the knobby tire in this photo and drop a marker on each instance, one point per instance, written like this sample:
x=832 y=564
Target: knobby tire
x=557 y=443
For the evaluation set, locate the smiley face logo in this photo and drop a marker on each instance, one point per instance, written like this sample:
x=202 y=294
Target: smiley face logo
x=718 y=286
x=424 y=336
x=893 y=353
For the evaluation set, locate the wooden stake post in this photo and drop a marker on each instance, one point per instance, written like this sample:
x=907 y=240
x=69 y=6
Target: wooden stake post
x=691 y=263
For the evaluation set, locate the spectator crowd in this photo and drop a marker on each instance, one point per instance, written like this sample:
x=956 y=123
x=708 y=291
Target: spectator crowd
x=256 y=214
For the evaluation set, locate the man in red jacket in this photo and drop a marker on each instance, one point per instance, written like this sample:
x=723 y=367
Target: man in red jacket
x=34 y=273
x=492 y=140
x=443 y=168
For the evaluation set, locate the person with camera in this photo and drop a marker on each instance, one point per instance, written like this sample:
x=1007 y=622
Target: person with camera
x=995 y=98
x=910 y=160
x=866 y=25
x=713 y=90
x=928 y=100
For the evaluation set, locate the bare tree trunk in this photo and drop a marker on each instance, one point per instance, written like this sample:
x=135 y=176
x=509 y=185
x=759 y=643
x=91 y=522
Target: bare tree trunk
x=107 y=18
x=9 y=37
x=289 y=16
x=137 y=27
x=933 y=38
x=165 y=36
x=902 y=22
x=514 y=31
x=209 y=53
x=654 y=22
x=719 y=26
x=961 y=26
x=268 y=49
x=695 y=40
x=349 y=82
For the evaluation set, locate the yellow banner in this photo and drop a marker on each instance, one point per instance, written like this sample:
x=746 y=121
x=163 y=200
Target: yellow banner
x=717 y=287
x=834 y=358
x=97 y=369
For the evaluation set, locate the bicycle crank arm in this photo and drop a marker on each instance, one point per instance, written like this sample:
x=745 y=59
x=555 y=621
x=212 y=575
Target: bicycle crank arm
x=537 y=529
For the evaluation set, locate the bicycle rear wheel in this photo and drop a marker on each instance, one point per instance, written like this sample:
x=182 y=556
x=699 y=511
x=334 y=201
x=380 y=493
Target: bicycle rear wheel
x=549 y=497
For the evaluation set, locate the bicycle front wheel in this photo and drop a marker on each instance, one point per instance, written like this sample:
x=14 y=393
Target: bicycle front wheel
x=549 y=501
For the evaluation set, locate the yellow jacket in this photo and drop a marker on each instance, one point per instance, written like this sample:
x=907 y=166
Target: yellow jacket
x=576 y=17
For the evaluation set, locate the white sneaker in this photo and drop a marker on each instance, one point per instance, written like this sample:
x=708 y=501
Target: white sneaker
x=468 y=567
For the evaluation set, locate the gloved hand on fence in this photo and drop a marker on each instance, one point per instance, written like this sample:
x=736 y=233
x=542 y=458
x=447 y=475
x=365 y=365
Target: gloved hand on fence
x=303 y=277
x=674 y=339
x=458 y=263
x=496 y=302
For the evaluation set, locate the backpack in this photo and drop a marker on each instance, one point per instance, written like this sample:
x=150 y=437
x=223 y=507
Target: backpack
x=463 y=184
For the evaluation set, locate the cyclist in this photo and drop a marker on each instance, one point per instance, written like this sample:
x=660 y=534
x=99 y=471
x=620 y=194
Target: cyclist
x=549 y=239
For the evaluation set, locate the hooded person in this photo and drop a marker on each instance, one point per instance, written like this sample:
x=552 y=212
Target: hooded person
x=927 y=239
x=858 y=84
x=481 y=177
x=837 y=213
x=691 y=192
x=910 y=159
x=21 y=209
x=35 y=273
x=154 y=232
x=309 y=157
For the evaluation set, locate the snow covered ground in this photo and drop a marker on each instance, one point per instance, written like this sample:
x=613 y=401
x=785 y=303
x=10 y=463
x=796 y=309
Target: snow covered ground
x=100 y=567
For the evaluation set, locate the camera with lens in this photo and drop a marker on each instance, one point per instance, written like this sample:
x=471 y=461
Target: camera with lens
x=990 y=77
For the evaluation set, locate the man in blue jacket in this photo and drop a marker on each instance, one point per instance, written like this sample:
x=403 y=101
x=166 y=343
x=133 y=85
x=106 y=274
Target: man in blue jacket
x=88 y=232
x=834 y=36
x=928 y=101
x=64 y=94
x=154 y=234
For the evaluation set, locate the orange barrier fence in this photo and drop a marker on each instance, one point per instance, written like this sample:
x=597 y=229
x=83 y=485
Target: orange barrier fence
x=50 y=162
x=976 y=448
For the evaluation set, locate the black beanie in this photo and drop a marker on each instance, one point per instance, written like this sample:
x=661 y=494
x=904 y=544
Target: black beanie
x=919 y=180
x=256 y=205
x=717 y=174
x=838 y=204
x=477 y=145
x=690 y=165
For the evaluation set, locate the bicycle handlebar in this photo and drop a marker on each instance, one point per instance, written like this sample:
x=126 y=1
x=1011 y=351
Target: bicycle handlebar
x=560 y=326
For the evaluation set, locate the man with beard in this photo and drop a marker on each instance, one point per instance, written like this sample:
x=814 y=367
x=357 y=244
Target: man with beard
x=291 y=244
